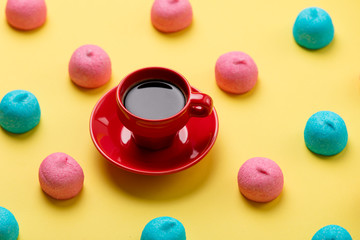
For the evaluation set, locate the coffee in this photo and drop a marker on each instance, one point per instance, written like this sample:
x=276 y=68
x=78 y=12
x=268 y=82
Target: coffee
x=154 y=99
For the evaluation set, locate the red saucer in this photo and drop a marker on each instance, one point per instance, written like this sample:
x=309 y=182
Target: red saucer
x=114 y=141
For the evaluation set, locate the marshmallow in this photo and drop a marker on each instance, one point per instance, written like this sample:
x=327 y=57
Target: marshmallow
x=236 y=72
x=9 y=227
x=313 y=28
x=60 y=176
x=260 y=179
x=90 y=66
x=19 y=111
x=171 y=15
x=332 y=232
x=26 y=14
x=325 y=133
x=164 y=228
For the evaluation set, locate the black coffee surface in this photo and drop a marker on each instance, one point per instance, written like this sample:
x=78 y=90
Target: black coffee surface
x=154 y=99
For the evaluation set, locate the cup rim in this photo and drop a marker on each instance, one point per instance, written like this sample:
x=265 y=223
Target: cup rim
x=181 y=112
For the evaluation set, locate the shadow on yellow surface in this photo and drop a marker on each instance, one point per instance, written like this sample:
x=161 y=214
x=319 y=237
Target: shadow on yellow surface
x=25 y=32
x=174 y=35
x=21 y=136
x=263 y=207
x=325 y=50
x=91 y=91
x=163 y=187
x=62 y=204
x=247 y=95
x=334 y=158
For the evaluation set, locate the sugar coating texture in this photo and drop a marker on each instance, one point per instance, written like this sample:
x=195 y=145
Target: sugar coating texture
x=260 y=179
x=26 y=14
x=313 y=28
x=164 y=228
x=236 y=72
x=171 y=15
x=325 y=133
x=9 y=227
x=19 y=111
x=332 y=232
x=60 y=176
x=90 y=66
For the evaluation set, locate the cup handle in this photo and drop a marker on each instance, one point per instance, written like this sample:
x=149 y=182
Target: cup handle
x=201 y=105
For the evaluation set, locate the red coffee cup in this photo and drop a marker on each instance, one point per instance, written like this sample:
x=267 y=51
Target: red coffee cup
x=156 y=134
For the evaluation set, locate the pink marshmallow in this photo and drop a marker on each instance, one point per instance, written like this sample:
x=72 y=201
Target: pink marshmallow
x=171 y=15
x=60 y=176
x=90 y=66
x=236 y=72
x=26 y=14
x=260 y=179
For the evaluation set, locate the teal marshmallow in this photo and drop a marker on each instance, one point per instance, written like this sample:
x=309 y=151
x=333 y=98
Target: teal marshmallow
x=9 y=227
x=325 y=133
x=163 y=228
x=332 y=232
x=313 y=28
x=19 y=111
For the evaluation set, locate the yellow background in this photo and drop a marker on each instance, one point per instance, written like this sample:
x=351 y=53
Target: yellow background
x=268 y=122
